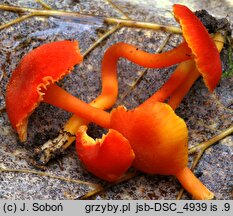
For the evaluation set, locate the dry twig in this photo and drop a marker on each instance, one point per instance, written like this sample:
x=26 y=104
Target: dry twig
x=84 y=17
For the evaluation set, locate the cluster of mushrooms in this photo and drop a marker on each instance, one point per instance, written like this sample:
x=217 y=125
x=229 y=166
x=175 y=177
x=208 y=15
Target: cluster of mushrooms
x=151 y=137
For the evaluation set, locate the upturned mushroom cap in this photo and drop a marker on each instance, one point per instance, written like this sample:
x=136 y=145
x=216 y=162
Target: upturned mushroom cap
x=205 y=53
x=108 y=158
x=38 y=69
x=159 y=138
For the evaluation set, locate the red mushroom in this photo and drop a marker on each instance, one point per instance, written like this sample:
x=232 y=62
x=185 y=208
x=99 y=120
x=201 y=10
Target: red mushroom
x=33 y=81
x=159 y=140
x=35 y=76
x=38 y=69
x=108 y=158
x=183 y=89
x=206 y=59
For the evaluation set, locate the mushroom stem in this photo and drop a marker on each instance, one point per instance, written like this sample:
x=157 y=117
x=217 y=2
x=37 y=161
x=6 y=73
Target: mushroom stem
x=176 y=79
x=72 y=125
x=180 y=92
x=142 y=58
x=58 y=97
x=193 y=185
x=139 y=57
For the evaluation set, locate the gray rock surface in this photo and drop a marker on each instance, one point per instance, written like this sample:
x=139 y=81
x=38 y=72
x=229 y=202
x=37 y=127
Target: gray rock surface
x=205 y=114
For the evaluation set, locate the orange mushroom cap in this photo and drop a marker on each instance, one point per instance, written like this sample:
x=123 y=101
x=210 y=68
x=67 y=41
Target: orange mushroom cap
x=205 y=53
x=159 y=138
x=108 y=158
x=38 y=69
x=159 y=141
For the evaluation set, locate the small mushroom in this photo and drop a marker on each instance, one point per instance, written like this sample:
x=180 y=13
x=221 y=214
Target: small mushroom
x=157 y=135
x=206 y=60
x=108 y=157
x=41 y=67
x=34 y=80
x=192 y=76
x=159 y=141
